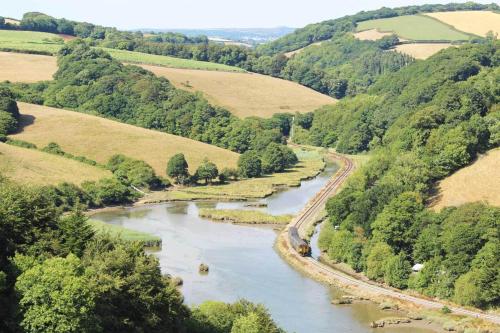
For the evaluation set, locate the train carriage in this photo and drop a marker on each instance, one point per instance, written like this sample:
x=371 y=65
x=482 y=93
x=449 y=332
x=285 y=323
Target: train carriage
x=298 y=243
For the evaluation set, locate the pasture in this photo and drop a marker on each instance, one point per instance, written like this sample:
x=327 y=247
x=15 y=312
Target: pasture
x=30 y=41
x=18 y=67
x=479 y=181
x=246 y=94
x=421 y=50
x=474 y=22
x=415 y=27
x=99 y=139
x=144 y=58
x=30 y=166
x=292 y=53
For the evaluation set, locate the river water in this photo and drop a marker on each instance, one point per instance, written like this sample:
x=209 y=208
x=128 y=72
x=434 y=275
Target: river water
x=243 y=263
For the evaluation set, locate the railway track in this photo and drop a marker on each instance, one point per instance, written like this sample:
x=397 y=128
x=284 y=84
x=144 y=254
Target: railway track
x=306 y=218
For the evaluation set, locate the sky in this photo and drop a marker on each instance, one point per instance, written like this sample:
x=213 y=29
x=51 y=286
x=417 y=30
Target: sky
x=128 y=14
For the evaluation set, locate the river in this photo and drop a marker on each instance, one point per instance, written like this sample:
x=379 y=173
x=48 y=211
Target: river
x=243 y=263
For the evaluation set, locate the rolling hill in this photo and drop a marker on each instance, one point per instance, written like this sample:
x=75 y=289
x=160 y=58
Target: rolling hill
x=421 y=50
x=99 y=139
x=246 y=94
x=35 y=167
x=414 y=27
x=18 y=67
x=479 y=181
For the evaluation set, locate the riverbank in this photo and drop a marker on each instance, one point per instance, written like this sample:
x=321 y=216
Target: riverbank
x=422 y=307
x=248 y=217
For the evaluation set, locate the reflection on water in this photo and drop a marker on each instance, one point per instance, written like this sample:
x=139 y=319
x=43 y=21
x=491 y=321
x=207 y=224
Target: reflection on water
x=243 y=263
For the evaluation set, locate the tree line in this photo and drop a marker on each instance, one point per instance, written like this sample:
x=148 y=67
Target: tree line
x=421 y=124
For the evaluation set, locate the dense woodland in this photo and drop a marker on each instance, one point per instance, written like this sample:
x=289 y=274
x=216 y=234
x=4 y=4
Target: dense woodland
x=422 y=123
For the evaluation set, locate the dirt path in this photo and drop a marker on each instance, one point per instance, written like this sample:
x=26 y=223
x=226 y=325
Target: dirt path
x=306 y=218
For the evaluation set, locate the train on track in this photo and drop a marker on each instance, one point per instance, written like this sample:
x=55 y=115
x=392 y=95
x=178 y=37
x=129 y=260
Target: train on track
x=298 y=243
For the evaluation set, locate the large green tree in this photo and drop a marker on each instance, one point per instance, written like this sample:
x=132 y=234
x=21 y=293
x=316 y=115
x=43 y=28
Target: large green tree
x=177 y=168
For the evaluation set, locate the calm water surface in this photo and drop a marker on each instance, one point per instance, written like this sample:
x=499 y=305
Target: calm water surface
x=243 y=263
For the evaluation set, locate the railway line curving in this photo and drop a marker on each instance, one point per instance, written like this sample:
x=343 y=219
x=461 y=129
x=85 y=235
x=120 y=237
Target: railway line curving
x=306 y=218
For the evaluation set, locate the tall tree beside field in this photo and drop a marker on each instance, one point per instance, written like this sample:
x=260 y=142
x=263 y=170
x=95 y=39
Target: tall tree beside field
x=249 y=165
x=177 y=168
x=207 y=171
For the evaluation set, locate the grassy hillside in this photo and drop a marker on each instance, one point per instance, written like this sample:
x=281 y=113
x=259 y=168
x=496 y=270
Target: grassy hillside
x=30 y=41
x=34 y=167
x=41 y=42
x=414 y=27
x=478 y=182
x=99 y=139
x=246 y=94
x=474 y=22
x=17 y=67
x=421 y=50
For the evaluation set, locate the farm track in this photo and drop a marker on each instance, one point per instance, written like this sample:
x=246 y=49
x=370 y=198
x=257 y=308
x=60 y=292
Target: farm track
x=307 y=217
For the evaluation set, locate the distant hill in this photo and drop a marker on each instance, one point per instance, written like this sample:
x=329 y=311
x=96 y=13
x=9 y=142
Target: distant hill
x=247 y=35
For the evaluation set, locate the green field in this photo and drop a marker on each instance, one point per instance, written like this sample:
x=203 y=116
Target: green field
x=40 y=42
x=415 y=27
x=30 y=41
x=152 y=59
x=125 y=234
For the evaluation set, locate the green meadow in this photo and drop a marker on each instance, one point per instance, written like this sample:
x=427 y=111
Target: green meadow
x=125 y=234
x=415 y=27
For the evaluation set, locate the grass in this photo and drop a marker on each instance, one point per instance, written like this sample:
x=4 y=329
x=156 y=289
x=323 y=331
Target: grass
x=246 y=94
x=98 y=139
x=144 y=58
x=415 y=27
x=30 y=166
x=238 y=216
x=149 y=240
x=41 y=42
x=18 y=67
x=474 y=22
x=30 y=41
x=478 y=182
x=421 y=50
x=294 y=52
x=310 y=164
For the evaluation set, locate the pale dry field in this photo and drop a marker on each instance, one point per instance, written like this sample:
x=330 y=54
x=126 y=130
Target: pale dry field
x=421 y=50
x=99 y=139
x=478 y=182
x=246 y=94
x=35 y=167
x=371 y=34
x=292 y=53
x=474 y=22
x=18 y=67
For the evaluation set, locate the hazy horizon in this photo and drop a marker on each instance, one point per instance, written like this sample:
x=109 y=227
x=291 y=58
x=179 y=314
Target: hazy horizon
x=200 y=14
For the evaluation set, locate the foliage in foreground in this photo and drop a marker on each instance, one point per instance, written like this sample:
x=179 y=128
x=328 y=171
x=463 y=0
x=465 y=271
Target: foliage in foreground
x=57 y=276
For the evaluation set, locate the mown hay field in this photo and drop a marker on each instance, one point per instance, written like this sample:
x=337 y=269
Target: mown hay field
x=474 y=22
x=31 y=166
x=292 y=53
x=99 y=139
x=18 y=67
x=414 y=27
x=372 y=34
x=421 y=50
x=246 y=94
x=479 y=181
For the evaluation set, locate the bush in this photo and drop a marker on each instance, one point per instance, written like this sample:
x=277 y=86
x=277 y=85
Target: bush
x=249 y=165
x=134 y=172
x=108 y=191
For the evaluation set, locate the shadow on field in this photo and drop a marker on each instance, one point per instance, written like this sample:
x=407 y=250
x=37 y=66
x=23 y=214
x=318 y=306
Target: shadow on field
x=25 y=120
